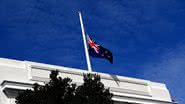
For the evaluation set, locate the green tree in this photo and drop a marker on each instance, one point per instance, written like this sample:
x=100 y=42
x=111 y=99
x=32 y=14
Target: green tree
x=56 y=91
x=62 y=91
x=92 y=91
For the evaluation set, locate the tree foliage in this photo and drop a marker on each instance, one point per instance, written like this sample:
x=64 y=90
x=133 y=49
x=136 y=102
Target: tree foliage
x=62 y=91
x=92 y=91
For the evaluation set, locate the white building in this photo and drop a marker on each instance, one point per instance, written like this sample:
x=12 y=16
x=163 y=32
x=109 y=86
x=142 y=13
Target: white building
x=20 y=75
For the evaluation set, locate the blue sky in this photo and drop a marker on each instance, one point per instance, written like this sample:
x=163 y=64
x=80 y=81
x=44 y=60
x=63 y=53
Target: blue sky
x=146 y=37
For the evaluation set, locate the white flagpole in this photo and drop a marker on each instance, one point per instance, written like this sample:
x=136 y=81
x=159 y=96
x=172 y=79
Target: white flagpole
x=85 y=44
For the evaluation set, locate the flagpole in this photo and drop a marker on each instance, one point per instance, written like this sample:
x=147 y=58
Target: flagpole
x=85 y=44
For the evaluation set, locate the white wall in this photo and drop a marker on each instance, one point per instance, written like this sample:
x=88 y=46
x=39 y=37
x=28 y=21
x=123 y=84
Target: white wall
x=21 y=74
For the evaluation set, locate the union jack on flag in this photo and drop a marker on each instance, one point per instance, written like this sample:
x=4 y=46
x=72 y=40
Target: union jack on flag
x=96 y=50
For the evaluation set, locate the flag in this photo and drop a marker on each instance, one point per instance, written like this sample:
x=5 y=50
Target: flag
x=97 y=50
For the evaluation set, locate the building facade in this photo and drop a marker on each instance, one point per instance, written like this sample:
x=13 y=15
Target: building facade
x=21 y=75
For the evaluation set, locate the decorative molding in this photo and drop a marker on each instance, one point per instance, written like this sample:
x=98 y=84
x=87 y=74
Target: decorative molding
x=103 y=76
x=145 y=91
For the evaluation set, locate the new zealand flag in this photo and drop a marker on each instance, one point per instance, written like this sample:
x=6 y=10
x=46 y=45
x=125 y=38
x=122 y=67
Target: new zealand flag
x=96 y=50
